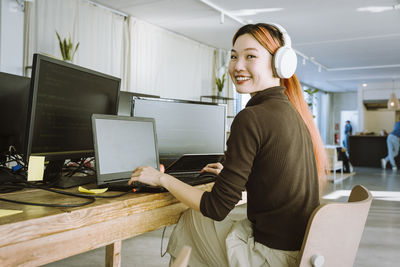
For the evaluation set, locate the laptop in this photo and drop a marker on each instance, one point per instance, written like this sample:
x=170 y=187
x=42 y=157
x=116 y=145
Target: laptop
x=189 y=166
x=122 y=143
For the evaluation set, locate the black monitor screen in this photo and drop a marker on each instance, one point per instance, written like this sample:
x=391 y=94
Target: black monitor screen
x=14 y=96
x=64 y=97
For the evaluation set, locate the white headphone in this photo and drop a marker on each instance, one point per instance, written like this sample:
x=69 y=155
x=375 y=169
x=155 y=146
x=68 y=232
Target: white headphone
x=285 y=59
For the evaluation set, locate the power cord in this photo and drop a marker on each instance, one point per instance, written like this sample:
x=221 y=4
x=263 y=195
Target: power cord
x=162 y=241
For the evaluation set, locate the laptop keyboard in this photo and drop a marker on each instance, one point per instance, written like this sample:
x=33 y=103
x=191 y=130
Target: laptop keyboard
x=191 y=179
x=195 y=178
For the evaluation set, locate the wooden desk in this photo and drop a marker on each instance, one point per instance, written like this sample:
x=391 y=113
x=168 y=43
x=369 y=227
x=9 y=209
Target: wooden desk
x=42 y=235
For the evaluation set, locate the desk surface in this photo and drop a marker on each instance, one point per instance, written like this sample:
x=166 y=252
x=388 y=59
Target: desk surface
x=41 y=235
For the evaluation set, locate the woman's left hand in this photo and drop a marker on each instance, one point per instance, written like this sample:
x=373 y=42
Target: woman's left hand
x=147 y=175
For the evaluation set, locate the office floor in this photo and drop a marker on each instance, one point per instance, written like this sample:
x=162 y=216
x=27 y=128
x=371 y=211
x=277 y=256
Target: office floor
x=380 y=243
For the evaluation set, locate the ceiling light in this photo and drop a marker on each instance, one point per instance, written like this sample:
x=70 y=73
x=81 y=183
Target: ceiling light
x=393 y=103
x=377 y=9
x=364 y=85
x=252 y=12
x=222 y=18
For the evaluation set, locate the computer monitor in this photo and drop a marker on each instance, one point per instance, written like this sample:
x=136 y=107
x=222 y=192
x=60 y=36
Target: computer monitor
x=125 y=102
x=184 y=127
x=14 y=98
x=63 y=98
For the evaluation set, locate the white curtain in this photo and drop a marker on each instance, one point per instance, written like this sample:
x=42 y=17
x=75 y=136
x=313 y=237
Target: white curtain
x=168 y=65
x=99 y=32
x=149 y=59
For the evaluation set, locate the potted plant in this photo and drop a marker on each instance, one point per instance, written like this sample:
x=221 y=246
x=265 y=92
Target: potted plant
x=220 y=84
x=310 y=96
x=67 y=48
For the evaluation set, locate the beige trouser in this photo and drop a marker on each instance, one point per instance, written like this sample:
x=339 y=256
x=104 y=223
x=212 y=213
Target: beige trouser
x=226 y=243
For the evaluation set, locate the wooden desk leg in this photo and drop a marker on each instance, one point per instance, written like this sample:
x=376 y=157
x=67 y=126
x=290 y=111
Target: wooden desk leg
x=113 y=254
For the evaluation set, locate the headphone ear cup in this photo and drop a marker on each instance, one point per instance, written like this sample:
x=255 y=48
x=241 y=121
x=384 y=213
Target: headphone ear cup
x=285 y=62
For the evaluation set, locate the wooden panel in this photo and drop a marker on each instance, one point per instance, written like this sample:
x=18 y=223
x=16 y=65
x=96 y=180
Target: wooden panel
x=54 y=233
x=75 y=241
x=113 y=254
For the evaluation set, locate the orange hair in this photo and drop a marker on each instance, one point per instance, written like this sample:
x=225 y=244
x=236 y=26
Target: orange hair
x=271 y=39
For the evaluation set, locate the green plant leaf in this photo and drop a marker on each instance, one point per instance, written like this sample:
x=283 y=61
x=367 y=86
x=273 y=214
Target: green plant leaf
x=76 y=48
x=65 y=46
x=60 y=43
x=220 y=82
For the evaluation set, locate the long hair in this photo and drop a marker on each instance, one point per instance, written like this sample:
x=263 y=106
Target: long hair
x=271 y=39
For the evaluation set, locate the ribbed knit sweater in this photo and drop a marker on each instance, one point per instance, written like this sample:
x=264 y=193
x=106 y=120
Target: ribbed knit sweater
x=270 y=154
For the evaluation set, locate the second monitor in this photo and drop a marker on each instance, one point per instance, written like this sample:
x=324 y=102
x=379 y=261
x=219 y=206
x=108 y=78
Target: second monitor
x=62 y=100
x=184 y=127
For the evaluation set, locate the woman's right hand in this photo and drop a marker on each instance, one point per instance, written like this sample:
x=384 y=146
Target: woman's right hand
x=214 y=168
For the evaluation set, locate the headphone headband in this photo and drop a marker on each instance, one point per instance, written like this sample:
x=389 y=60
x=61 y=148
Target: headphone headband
x=285 y=59
x=286 y=38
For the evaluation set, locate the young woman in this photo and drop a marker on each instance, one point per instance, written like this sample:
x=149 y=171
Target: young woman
x=274 y=152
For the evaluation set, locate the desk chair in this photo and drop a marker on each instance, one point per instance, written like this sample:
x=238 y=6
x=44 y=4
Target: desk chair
x=334 y=163
x=183 y=258
x=334 y=231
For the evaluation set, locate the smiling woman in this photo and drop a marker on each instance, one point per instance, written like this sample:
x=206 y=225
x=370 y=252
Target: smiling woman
x=274 y=152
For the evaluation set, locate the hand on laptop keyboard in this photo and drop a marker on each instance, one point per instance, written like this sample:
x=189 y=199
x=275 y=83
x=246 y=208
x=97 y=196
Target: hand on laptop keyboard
x=214 y=168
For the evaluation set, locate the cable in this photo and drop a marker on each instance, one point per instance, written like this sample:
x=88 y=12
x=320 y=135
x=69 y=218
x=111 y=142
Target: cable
x=113 y=196
x=162 y=239
x=24 y=184
x=8 y=188
x=90 y=201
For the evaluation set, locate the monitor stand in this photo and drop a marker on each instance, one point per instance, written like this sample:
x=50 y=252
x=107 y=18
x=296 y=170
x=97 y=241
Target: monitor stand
x=53 y=176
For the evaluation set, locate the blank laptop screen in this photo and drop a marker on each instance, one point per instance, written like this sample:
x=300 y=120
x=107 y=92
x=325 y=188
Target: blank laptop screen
x=122 y=144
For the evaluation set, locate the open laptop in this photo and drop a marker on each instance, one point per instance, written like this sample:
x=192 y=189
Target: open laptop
x=189 y=165
x=123 y=143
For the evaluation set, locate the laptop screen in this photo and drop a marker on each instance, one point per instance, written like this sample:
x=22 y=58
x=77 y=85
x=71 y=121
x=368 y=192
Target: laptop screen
x=121 y=145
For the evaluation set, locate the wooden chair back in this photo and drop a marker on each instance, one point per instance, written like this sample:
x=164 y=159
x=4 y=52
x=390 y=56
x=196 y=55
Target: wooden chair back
x=334 y=231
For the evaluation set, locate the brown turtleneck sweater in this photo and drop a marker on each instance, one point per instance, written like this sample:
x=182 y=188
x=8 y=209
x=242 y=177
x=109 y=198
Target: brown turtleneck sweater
x=269 y=154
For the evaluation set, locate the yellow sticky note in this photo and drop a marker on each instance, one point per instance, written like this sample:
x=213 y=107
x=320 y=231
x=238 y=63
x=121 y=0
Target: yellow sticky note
x=9 y=212
x=92 y=191
x=35 y=168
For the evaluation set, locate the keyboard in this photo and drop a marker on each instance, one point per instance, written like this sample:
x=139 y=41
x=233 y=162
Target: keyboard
x=123 y=186
x=189 y=178
x=195 y=178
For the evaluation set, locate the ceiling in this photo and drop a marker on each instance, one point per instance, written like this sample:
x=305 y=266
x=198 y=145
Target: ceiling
x=342 y=47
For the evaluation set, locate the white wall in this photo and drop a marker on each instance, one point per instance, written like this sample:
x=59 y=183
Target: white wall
x=11 y=37
x=323 y=116
x=341 y=102
x=374 y=121
x=379 y=120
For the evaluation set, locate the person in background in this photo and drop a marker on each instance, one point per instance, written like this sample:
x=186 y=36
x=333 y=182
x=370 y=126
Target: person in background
x=347 y=132
x=393 y=144
x=274 y=152
x=347 y=167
